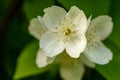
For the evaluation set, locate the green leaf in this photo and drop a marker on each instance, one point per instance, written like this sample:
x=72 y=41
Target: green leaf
x=115 y=13
x=26 y=62
x=33 y=8
x=111 y=71
x=90 y=7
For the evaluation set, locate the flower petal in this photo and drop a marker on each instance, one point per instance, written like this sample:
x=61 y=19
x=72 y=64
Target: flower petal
x=98 y=53
x=50 y=59
x=86 y=61
x=101 y=26
x=42 y=22
x=53 y=16
x=42 y=60
x=36 y=28
x=76 y=45
x=51 y=44
x=78 y=18
x=72 y=70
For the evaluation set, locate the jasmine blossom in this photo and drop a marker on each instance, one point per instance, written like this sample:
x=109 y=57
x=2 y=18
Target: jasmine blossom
x=59 y=30
x=98 y=30
x=64 y=31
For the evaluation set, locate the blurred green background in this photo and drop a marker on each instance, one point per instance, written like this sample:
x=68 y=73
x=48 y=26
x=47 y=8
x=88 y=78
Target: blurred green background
x=18 y=48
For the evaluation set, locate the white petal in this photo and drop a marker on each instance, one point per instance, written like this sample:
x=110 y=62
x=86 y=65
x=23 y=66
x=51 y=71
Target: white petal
x=42 y=60
x=76 y=45
x=51 y=45
x=50 y=59
x=78 y=18
x=86 y=61
x=36 y=28
x=101 y=26
x=53 y=16
x=98 y=53
x=42 y=22
x=72 y=71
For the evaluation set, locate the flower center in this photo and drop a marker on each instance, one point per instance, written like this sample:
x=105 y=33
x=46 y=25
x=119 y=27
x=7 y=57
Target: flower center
x=66 y=30
x=92 y=37
x=89 y=37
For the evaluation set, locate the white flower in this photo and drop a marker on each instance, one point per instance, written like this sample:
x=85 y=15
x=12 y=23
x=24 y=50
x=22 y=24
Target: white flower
x=64 y=31
x=73 y=69
x=70 y=68
x=59 y=30
x=98 y=30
